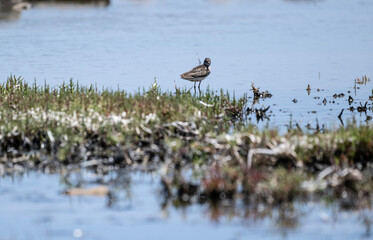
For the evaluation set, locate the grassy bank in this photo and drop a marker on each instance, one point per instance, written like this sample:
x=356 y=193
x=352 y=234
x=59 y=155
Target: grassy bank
x=200 y=144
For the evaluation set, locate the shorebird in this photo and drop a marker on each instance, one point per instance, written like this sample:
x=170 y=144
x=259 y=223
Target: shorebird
x=198 y=73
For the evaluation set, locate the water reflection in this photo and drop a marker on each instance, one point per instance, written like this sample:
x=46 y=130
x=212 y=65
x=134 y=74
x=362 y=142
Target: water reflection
x=9 y=15
x=124 y=184
x=11 y=9
x=71 y=2
x=118 y=182
x=130 y=198
x=6 y=5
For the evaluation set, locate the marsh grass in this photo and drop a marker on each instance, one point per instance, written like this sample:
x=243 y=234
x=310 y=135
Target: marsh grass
x=17 y=95
x=71 y=114
x=48 y=127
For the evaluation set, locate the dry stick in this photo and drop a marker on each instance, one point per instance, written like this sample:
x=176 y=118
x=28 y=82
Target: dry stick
x=340 y=117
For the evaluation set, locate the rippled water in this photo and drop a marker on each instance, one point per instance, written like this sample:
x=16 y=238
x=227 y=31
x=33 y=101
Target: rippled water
x=281 y=46
x=33 y=207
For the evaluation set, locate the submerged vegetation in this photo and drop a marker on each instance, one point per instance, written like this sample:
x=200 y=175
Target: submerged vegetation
x=201 y=145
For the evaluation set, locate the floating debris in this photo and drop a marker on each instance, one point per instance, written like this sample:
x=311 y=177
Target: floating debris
x=350 y=100
x=258 y=94
x=363 y=80
x=362 y=108
x=338 y=95
x=94 y=191
x=260 y=113
x=233 y=112
x=308 y=89
x=324 y=101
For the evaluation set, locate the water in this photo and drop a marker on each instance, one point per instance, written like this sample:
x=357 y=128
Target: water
x=34 y=207
x=281 y=46
x=276 y=44
x=273 y=43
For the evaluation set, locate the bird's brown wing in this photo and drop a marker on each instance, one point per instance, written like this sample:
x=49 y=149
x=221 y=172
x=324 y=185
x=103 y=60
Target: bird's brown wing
x=199 y=71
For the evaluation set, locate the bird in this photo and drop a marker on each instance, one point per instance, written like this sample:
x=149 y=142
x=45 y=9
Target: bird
x=198 y=73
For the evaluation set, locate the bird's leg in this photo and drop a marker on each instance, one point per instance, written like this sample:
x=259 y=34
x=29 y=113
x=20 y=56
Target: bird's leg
x=199 y=88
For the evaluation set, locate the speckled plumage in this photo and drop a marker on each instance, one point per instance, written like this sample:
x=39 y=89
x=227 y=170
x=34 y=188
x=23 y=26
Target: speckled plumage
x=198 y=73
